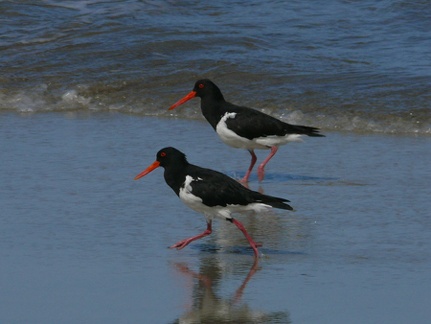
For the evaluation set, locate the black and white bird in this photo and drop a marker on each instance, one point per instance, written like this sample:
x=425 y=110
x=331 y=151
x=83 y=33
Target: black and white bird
x=210 y=192
x=243 y=127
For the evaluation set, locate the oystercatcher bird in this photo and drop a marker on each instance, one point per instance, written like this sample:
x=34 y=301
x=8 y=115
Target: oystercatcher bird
x=210 y=192
x=243 y=127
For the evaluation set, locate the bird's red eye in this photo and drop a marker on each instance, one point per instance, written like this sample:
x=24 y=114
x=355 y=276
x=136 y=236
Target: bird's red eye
x=163 y=154
x=201 y=86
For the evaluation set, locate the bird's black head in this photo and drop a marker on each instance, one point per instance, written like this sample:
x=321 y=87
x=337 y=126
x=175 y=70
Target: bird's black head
x=170 y=156
x=207 y=88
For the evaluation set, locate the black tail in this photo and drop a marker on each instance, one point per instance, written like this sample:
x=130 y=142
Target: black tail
x=306 y=130
x=275 y=202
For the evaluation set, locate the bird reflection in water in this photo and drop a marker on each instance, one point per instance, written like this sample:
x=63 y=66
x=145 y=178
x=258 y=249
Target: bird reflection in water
x=209 y=307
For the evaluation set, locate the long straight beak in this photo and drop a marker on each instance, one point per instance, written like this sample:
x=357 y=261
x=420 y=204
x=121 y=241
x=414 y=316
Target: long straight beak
x=153 y=166
x=191 y=95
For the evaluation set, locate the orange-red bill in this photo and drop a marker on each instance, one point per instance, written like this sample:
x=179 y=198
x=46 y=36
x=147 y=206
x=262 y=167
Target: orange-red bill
x=191 y=95
x=153 y=166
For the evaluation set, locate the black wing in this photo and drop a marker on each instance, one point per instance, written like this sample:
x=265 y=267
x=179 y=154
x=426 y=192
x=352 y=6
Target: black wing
x=217 y=189
x=251 y=123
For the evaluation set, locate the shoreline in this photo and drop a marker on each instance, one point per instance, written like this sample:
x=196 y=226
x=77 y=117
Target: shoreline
x=80 y=113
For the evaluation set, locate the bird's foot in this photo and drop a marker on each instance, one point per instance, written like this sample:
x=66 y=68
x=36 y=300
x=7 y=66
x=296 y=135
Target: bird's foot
x=255 y=250
x=181 y=244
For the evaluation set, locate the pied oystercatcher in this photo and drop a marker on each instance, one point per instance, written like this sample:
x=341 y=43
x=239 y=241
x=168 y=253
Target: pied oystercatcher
x=243 y=127
x=210 y=192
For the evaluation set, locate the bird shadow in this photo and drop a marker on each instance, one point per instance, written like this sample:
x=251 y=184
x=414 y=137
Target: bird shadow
x=281 y=177
x=241 y=250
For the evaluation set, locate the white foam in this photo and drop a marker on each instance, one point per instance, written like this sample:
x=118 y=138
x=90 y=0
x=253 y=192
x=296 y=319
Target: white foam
x=72 y=98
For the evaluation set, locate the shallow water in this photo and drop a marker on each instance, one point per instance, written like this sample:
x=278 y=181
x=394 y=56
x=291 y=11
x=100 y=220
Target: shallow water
x=340 y=65
x=80 y=241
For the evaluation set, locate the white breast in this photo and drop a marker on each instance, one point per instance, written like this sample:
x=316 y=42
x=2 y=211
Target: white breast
x=187 y=196
x=231 y=138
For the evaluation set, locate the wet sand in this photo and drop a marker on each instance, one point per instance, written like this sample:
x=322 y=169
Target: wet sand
x=80 y=241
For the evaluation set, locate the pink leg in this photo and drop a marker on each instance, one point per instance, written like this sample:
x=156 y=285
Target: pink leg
x=253 y=244
x=182 y=244
x=260 y=171
x=252 y=163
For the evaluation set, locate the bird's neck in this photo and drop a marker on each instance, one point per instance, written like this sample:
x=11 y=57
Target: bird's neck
x=175 y=176
x=213 y=109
